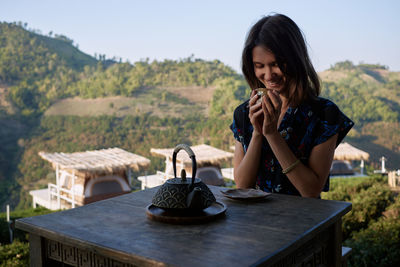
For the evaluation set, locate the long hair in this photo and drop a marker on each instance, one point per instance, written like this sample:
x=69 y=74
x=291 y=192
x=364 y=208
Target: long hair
x=279 y=34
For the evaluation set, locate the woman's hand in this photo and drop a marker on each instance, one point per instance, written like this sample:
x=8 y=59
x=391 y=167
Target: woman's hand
x=271 y=108
x=256 y=113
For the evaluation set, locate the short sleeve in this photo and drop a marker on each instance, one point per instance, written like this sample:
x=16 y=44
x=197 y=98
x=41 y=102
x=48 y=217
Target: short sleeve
x=238 y=122
x=332 y=121
x=235 y=129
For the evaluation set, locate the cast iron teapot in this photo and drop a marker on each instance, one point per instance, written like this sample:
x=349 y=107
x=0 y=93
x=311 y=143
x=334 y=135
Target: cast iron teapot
x=184 y=193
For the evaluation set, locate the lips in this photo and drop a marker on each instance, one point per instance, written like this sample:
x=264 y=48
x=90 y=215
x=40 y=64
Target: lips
x=274 y=84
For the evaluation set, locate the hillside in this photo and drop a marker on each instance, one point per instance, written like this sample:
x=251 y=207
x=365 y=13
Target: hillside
x=32 y=54
x=55 y=98
x=37 y=68
x=161 y=102
x=370 y=95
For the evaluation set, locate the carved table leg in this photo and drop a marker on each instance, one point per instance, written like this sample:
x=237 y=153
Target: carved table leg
x=337 y=243
x=36 y=250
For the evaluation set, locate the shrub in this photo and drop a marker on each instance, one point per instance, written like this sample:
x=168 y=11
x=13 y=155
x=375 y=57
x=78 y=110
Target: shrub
x=379 y=244
x=369 y=197
x=368 y=206
x=344 y=189
x=15 y=254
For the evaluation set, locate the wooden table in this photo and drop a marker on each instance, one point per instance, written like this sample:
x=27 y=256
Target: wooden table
x=280 y=230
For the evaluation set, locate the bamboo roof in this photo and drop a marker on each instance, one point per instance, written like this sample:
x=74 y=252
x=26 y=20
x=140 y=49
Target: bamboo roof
x=345 y=151
x=104 y=160
x=205 y=154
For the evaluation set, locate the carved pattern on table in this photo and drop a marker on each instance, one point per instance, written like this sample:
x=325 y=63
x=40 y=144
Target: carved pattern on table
x=313 y=253
x=79 y=257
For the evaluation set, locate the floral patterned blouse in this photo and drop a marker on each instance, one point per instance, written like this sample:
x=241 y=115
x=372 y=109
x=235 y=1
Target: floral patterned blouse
x=303 y=127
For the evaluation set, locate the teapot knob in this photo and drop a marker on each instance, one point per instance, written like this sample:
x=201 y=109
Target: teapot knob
x=183 y=175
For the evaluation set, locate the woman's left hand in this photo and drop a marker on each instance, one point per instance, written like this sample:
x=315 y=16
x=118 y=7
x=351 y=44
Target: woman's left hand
x=271 y=106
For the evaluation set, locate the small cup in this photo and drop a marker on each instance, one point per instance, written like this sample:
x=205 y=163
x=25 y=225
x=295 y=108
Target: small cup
x=261 y=92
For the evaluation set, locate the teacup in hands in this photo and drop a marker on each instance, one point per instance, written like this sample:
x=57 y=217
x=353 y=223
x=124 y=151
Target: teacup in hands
x=261 y=92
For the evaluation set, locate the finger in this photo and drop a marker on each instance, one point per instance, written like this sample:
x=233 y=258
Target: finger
x=254 y=107
x=270 y=108
x=258 y=113
x=255 y=114
x=267 y=115
x=253 y=99
x=257 y=119
x=275 y=92
x=275 y=100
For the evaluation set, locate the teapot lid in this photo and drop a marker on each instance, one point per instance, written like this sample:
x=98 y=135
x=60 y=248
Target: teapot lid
x=183 y=179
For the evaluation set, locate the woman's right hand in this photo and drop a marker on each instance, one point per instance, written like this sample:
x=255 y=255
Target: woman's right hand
x=256 y=115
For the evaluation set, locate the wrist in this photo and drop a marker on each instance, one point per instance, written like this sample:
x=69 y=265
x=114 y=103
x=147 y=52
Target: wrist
x=256 y=134
x=272 y=135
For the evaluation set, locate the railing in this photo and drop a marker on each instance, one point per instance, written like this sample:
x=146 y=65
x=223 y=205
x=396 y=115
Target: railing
x=394 y=178
x=166 y=175
x=55 y=192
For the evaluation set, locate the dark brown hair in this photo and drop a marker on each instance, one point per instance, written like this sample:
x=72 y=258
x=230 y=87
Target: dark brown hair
x=280 y=35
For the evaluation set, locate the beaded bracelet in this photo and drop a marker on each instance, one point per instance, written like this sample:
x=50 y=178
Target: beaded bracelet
x=291 y=167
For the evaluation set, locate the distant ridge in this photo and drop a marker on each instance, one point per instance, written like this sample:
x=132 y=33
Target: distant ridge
x=14 y=37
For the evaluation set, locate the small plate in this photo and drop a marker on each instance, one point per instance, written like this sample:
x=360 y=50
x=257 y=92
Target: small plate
x=248 y=193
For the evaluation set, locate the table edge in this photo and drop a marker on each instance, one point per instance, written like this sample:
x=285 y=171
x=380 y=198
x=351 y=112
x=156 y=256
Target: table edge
x=306 y=236
x=85 y=245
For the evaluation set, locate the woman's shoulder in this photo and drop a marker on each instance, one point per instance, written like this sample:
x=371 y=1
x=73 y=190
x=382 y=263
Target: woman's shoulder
x=331 y=120
x=320 y=103
x=241 y=116
x=242 y=108
x=324 y=108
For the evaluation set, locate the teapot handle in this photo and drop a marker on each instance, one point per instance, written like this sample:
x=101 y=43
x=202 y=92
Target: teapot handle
x=191 y=155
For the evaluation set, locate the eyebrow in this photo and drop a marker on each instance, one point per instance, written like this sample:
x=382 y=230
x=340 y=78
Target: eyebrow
x=270 y=63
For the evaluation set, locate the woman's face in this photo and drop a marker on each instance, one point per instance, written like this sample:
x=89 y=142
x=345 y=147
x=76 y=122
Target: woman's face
x=267 y=70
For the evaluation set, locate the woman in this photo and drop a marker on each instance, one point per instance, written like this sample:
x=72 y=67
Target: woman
x=285 y=142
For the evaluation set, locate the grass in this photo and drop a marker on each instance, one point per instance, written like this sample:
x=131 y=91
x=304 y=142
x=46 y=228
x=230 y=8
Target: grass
x=153 y=101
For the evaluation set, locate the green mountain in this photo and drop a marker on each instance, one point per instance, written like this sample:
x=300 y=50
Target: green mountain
x=153 y=104
x=370 y=95
x=31 y=55
x=37 y=68
x=55 y=98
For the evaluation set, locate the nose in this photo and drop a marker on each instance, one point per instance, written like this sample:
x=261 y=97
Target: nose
x=268 y=73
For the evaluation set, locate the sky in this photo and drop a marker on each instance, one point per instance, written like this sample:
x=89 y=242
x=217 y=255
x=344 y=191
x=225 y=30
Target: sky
x=362 y=31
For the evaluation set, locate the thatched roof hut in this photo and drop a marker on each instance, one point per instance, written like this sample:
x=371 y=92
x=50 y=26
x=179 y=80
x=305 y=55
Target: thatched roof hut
x=205 y=155
x=97 y=161
x=85 y=177
x=345 y=151
x=209 y=160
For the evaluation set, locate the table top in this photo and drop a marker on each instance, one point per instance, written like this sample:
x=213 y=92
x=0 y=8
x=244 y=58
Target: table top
x=249 y=233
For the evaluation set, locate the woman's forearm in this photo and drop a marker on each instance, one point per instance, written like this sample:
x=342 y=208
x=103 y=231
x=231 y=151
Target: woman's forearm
x=246 y=167
x=307 y=181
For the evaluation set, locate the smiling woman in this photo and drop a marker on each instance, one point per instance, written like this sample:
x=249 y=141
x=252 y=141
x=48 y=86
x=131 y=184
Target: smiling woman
x=285 y=142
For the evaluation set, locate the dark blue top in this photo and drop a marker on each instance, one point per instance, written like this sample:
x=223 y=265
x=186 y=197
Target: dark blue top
x=303 y=127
